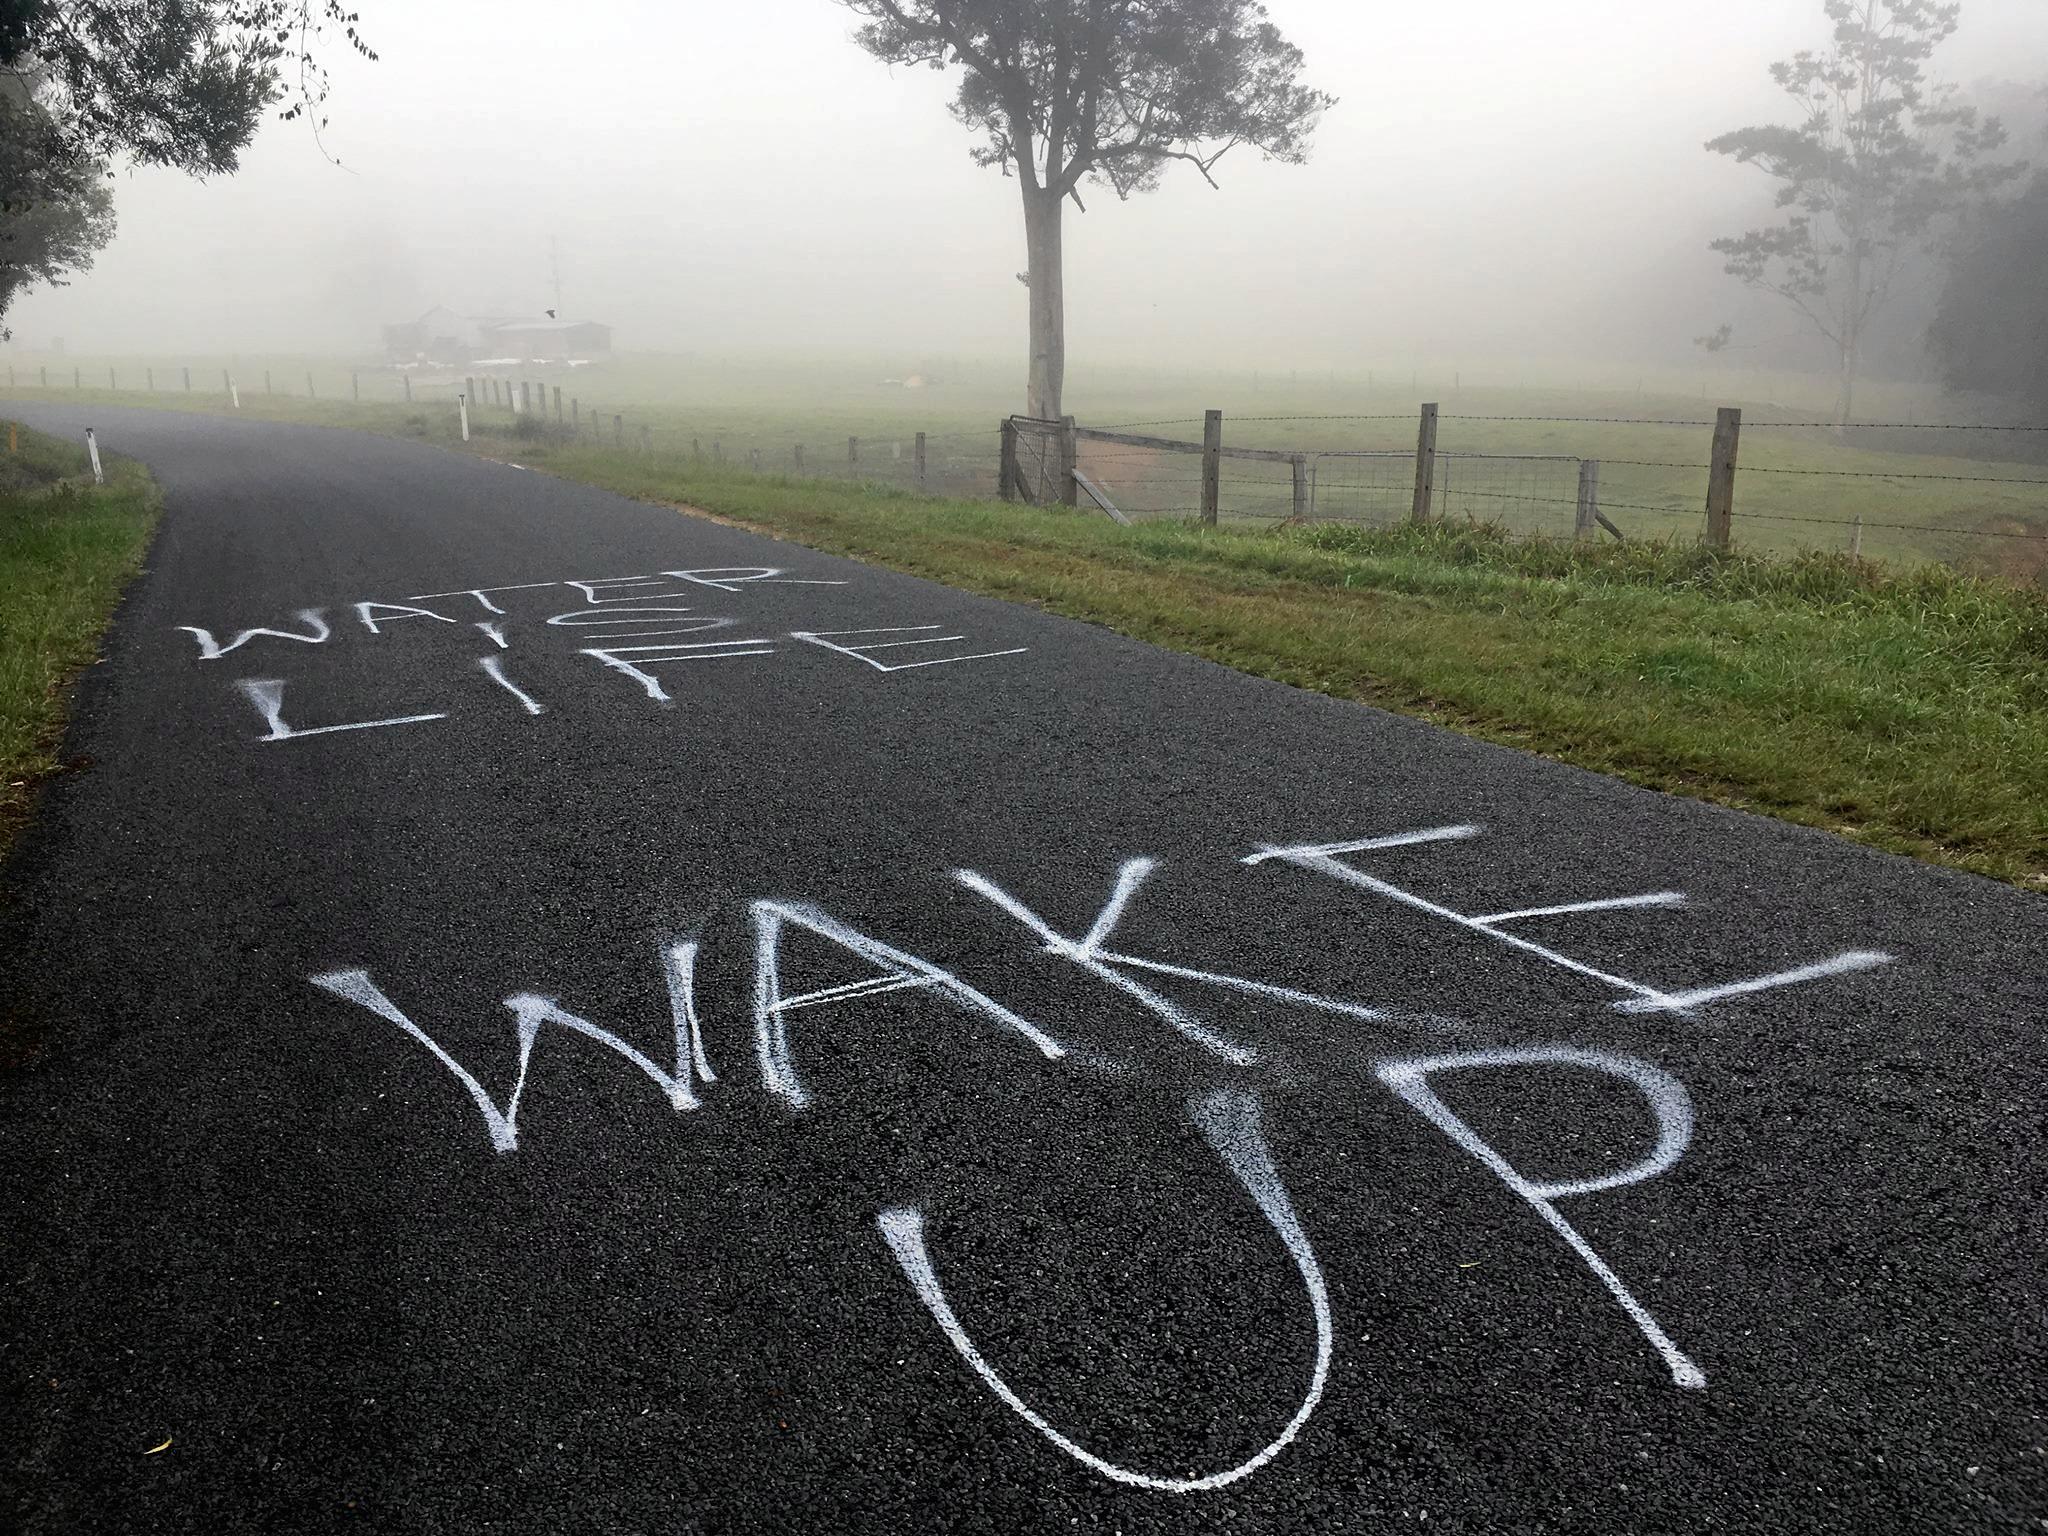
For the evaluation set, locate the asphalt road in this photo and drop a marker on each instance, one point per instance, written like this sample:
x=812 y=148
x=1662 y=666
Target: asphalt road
x=1286 y=1195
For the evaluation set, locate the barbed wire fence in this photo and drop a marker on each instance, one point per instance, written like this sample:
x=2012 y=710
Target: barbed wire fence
x=1720 y=479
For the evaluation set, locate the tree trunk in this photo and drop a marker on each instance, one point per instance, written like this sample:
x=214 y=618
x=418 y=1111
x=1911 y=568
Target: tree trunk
x=1043 y=251
x=1845 y=404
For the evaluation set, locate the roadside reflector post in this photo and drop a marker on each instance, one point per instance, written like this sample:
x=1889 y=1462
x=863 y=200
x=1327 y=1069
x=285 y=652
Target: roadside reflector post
x=920 y=461
x=92 y=448
x=462 y=405
x=234 y=395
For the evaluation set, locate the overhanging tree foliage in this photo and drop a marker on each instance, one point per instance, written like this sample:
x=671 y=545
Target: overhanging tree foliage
x=55 y=210
x=181 y=83
x=178 y=83
x=1104 y=91
x=1877 y=165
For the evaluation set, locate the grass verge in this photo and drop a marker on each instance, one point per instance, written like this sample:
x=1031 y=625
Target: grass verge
x=1906 y=709
x=67 y=548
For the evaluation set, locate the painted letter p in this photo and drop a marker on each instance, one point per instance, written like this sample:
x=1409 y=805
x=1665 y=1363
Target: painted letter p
x=1409 y=1077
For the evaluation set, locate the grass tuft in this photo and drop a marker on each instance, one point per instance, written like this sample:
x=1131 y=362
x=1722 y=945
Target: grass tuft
x=67 y=548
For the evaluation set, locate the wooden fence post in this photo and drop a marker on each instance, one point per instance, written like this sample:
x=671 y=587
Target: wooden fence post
x=188 y=381
x=78 y=378
x=1856 y=539
x=1212 y=466
x=852 y=452
x=1425 y=466
x=112 y=382
x=355 y=387
x=1587 y=524
x=1721 y=478
x=754 y=460
x=1006 y=465
x=45 y=372
x=798 y=458
x=151 y=372
x=266 y=383
x=1070 y=461
x=558 y=405
x=646 y=438
x=1299 y=465
x=920 y=461
x=618 y=431
x=309 y=385
x=718 y=450
x=525 y=396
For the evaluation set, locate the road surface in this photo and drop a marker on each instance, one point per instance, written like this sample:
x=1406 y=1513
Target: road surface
x=541 y=1013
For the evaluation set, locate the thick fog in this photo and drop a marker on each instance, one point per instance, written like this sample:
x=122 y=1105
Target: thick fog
x=1500 y=180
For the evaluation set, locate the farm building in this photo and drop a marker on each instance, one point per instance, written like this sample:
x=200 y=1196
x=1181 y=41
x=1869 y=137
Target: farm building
x=443 y=336
x=551 y=341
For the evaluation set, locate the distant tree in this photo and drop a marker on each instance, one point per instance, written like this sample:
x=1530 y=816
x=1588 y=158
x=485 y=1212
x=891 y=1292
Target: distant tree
x=1874 y=171
x=1105 y=91
x=55 y=210
x=1990 y=333
x=181 y=83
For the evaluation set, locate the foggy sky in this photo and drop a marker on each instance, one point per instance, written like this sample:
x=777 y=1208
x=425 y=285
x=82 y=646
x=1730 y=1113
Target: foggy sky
x=1500 y=179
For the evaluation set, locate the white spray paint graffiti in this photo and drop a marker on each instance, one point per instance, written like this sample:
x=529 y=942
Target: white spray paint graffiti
x=530 y=1013
x=627 y=625
x=392 y=613
x=660 y=655
x=1229 y=1118
x=494 y=668
x=1088 y=953
x=267 y=694
x=899 y=972
x=860 y=652
x=1325 y=859
x=1667 y=1099
x=211 y=649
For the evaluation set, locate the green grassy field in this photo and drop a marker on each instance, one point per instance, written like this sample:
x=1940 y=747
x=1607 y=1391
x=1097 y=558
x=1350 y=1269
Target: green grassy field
x=67 y=548
x=1921 y=496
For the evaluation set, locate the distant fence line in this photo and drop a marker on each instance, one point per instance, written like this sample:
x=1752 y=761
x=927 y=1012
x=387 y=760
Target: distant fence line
x=1128 y=474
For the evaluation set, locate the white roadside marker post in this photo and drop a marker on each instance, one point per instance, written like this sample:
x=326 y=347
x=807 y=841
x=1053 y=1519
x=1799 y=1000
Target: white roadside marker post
x=462 y=404
x=235 y=393
x=92 y=448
